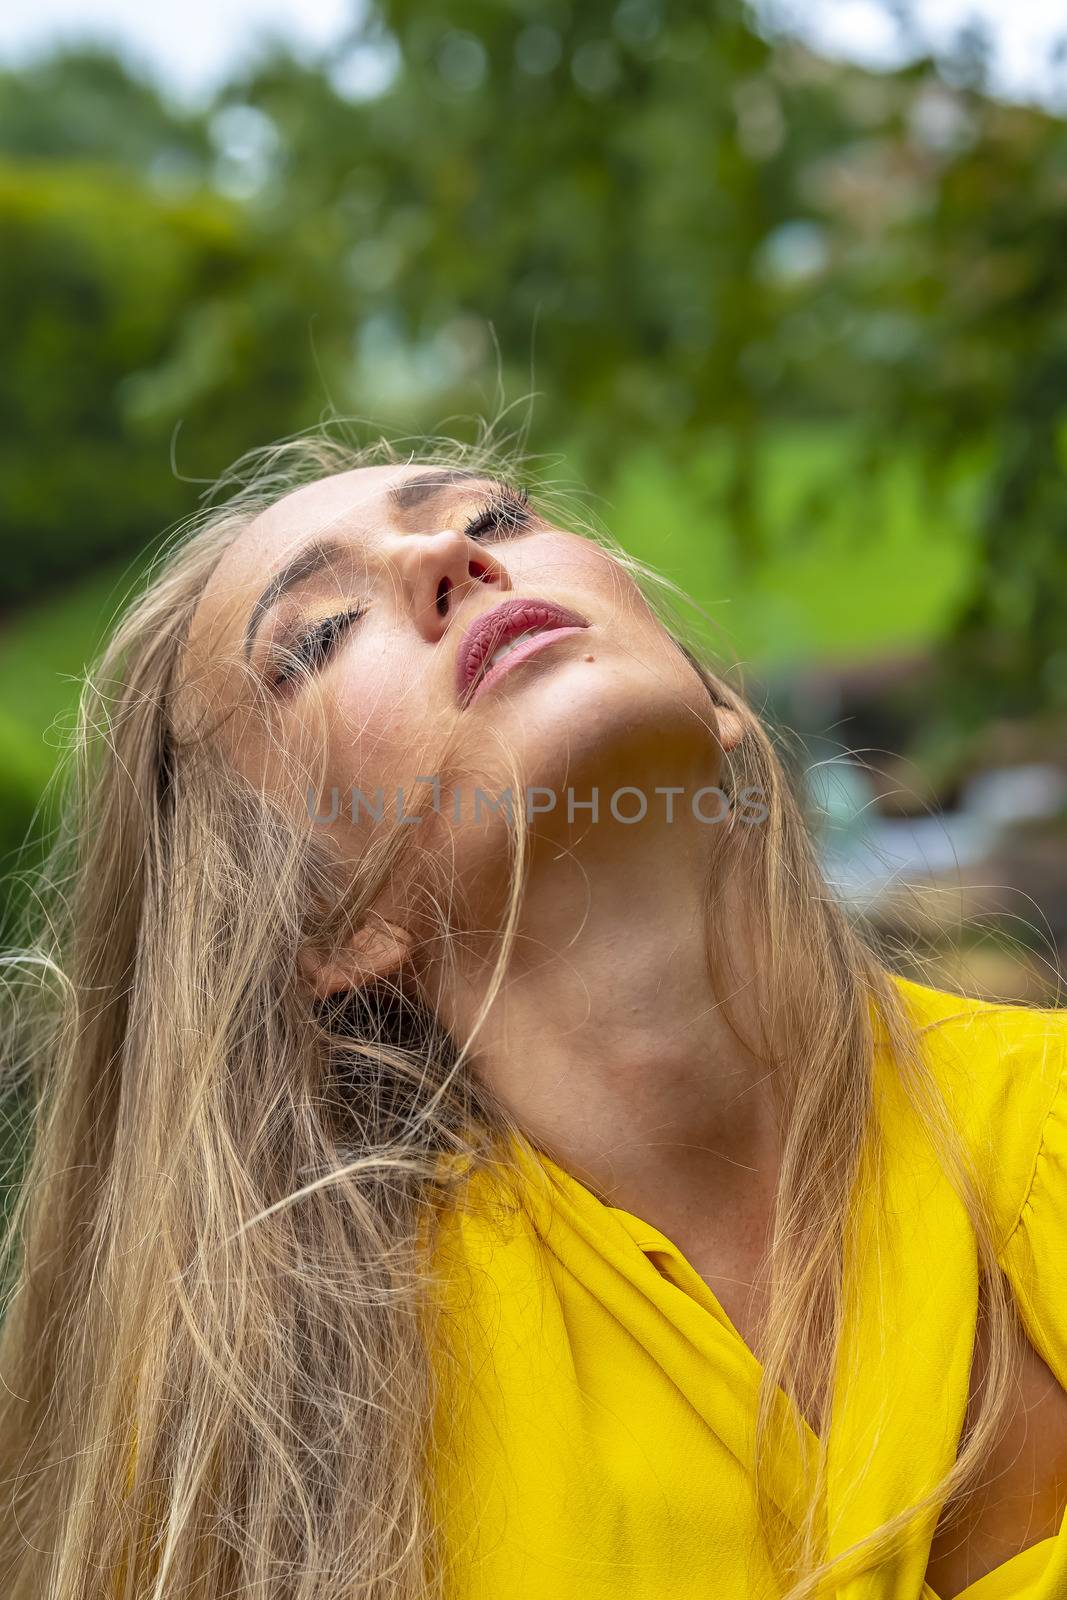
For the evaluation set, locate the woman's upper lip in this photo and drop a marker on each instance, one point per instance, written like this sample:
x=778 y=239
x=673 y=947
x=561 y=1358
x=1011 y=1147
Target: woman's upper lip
x=499 y=626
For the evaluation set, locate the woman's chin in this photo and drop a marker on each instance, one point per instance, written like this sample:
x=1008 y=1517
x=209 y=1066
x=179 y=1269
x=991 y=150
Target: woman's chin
x=603 y=724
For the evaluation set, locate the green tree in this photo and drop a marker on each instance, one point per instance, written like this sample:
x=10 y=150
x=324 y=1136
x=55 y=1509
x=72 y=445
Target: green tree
x=127 y=315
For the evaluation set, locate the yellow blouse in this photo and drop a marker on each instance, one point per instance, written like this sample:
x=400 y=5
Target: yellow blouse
x=596 y=1404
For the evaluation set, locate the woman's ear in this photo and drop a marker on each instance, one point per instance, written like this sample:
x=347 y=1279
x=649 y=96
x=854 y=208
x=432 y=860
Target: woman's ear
x=730 y=728
x=730 y=725
x=377 y=950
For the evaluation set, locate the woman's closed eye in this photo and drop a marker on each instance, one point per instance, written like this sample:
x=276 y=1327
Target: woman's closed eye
x=312 y=648
x=507 y=512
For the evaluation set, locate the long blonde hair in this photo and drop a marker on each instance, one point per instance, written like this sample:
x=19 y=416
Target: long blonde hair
x=217 y=1244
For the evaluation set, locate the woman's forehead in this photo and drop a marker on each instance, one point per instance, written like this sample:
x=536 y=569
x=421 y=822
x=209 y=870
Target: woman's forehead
x=358 y=499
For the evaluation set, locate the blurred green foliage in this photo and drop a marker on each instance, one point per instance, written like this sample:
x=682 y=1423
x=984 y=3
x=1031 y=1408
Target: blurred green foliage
x=803 y=326
x=126 y=311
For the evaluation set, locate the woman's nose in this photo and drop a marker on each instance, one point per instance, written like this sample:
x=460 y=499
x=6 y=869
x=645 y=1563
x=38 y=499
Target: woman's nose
x=438 y=571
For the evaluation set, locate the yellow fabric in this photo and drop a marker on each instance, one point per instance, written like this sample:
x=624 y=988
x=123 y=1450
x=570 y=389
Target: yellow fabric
x=594 y=1430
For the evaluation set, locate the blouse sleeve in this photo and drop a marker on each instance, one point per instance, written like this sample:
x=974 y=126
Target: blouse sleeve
x=1034 y=1255
x=1002 y=1068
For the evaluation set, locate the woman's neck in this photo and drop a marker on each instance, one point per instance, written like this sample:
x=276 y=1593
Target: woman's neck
x=610 y=1047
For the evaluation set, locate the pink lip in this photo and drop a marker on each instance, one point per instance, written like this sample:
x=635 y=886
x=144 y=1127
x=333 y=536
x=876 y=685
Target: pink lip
x=499 y=626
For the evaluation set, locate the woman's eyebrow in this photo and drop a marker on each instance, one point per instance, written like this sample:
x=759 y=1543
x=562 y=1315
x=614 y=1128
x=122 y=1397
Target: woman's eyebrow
x=426 y=486
x=320 y=553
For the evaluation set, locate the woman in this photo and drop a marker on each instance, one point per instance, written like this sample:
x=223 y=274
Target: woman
x=473 y=1155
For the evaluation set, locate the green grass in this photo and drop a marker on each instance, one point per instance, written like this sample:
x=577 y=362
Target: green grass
x=44 y=651
x=855 y=566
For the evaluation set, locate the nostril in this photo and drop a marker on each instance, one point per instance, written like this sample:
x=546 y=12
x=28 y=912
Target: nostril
x=477 y=569
x=442 y=595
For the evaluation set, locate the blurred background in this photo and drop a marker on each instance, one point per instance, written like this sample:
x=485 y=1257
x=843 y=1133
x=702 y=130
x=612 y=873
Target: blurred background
x=786 y=287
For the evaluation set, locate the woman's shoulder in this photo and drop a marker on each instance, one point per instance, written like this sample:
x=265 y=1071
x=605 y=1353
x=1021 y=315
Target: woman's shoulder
x=1006 y=1056
x=1003 y=1069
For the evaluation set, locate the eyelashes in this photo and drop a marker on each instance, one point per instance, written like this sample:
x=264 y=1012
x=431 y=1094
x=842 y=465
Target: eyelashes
x=506 y=513
x=313 y=648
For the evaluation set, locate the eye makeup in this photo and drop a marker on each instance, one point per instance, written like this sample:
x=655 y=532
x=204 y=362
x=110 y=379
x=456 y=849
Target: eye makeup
x=310 y=649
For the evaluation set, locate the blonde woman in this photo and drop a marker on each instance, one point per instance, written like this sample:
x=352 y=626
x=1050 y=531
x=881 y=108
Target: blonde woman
x=470 y=1154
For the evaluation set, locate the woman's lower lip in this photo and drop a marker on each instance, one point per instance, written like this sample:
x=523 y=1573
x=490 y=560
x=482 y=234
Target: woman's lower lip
x=522 y=652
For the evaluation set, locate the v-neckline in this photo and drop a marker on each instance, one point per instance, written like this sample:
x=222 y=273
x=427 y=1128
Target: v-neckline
x=649 y=1240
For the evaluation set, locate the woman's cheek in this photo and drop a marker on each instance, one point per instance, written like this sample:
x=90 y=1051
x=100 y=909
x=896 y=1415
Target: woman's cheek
x=379 y=726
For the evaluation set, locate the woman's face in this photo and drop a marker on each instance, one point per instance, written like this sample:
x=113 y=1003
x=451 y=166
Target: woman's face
x=375 y=577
